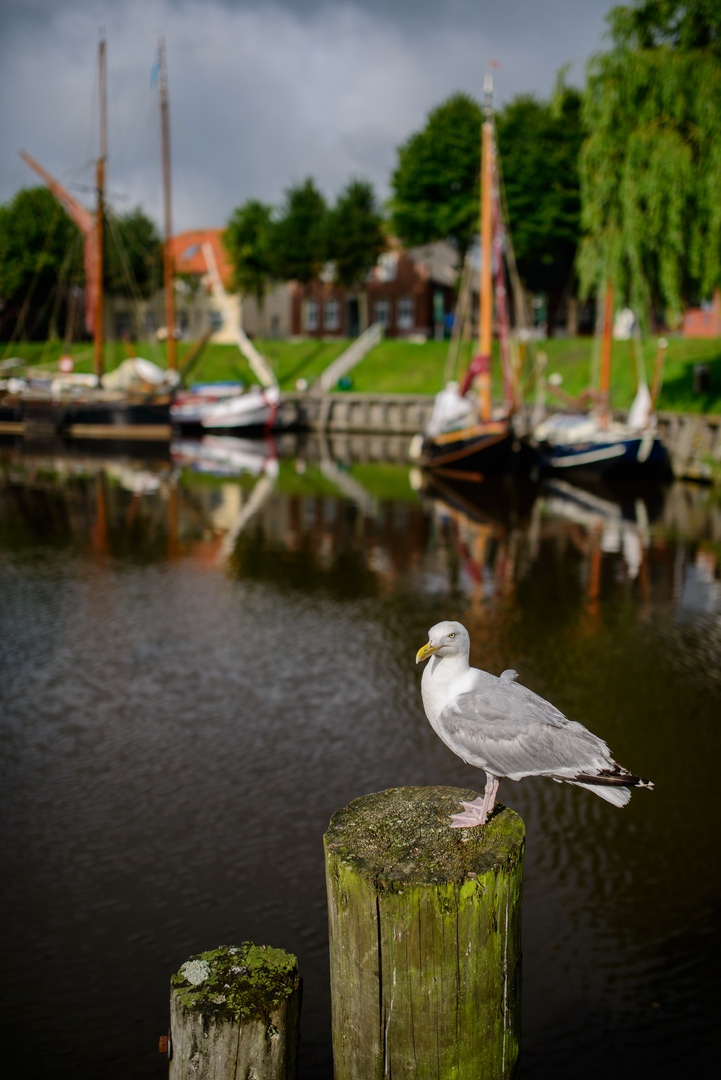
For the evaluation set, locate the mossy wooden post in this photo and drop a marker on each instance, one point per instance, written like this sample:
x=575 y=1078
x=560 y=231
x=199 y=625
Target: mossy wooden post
x=425 y=938
x=234 y=1014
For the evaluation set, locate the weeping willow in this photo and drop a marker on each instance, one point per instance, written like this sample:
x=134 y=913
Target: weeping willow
x=651 y=177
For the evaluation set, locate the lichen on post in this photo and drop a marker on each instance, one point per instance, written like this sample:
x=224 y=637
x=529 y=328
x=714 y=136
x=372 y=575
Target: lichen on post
x=234 y=1014
x=425 y=929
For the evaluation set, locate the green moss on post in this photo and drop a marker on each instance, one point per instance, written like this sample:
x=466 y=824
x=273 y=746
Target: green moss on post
x=234 y=1014
x=425 y=938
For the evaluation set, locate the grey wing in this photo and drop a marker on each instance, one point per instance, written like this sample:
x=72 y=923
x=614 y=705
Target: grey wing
x=510 y=731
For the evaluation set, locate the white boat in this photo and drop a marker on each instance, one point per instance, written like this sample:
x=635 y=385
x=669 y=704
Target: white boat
x=229 y=411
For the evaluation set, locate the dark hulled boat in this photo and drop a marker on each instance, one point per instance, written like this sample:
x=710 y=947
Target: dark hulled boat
x=477 y=453
x=467 y=440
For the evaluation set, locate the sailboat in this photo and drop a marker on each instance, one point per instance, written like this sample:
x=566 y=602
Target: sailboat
x=594 y=444
x=467 y=440
x=132 y=404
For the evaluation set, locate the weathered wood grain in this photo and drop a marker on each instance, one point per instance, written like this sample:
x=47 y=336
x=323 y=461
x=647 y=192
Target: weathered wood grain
x=425 y=926
x=234 y=1014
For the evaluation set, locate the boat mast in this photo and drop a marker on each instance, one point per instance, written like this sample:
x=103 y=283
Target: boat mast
x=486 y=295
x=604 y=383
x=167 y=254
x=100 y=211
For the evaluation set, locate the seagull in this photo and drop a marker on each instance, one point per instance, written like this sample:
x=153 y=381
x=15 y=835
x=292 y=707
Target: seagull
x=499 y=726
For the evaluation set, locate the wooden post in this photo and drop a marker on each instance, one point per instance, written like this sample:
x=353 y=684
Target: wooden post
x=234 y=1013
x=425 y=938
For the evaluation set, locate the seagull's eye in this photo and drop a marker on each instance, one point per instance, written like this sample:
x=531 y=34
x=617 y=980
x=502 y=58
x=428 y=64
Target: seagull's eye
x=451 y=635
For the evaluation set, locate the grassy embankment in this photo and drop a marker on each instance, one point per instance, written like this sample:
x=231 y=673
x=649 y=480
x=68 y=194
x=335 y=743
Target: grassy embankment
x=401 y=367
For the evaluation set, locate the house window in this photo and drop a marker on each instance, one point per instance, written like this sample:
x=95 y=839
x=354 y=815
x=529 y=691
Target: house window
x=310 y=315
x=215 y=319
x=150 y=323
x=406 y=313
x=383 y=311
x=331 y=315
x=387 y=266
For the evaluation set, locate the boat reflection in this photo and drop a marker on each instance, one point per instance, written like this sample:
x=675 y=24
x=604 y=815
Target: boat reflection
x=226 y=455
x=206 y=639
x=700 y=597
x=366 y=526
x=612 y=527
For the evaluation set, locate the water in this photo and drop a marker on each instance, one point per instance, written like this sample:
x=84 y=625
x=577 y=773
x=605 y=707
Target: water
x=198 y=669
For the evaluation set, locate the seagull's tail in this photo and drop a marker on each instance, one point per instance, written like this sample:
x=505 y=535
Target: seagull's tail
x=612 y=784
x=617 y=795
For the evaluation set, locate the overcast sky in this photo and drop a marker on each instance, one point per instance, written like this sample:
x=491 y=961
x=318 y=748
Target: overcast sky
x=262 y=92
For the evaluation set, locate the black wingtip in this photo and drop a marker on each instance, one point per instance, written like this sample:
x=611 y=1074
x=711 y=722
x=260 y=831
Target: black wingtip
x=616 y=777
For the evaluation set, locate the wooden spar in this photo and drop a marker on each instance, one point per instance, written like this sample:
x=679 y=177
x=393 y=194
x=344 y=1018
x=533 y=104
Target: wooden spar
x=486 y=300
x=99 y=215
x=85 y=221
x=167 y=253
x=459 y=321
x=509 y=396
x=658 y=370
x=604 y=384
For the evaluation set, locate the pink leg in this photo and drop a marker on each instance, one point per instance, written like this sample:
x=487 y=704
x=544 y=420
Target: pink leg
x=476 y=812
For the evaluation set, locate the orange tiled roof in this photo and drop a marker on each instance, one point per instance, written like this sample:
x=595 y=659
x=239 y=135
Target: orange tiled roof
x=187 y=251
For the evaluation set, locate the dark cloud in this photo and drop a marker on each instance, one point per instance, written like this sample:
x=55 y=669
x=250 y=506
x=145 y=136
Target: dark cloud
x=263 y=92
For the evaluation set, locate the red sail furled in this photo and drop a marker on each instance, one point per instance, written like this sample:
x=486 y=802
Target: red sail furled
x=85 y=221
x=479 y=365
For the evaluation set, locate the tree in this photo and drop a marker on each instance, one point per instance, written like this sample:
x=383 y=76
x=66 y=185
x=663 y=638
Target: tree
x=40 y=250
x=132 y=254
x=41 y=259
x=539 y=143
x=355 y=236
x=651 y=164
x=436 y=181
x=300 y=236
x=248 y=239
x=683 y=24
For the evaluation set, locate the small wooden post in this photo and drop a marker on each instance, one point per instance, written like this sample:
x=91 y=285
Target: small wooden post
x=234 y=1014
x=425 y=929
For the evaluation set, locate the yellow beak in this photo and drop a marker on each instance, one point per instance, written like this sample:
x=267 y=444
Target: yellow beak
x=426 y=651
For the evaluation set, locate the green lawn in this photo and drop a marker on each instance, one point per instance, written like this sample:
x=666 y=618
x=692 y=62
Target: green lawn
x=401 y=367
x=574 y=359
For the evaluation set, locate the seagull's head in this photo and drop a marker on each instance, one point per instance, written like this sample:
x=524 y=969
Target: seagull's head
x=445 y=639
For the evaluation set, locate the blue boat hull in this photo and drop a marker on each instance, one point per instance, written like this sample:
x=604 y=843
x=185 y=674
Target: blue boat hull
x=631 y=457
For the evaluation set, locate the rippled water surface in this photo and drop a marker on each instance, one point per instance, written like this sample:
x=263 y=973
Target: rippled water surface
x=204 y=657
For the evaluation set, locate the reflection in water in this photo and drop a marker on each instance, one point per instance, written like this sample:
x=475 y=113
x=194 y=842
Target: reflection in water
x=204 y=656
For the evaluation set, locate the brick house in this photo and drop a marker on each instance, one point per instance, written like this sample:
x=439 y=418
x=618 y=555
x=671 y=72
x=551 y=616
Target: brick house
x=410 y=292
x=704 y=321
